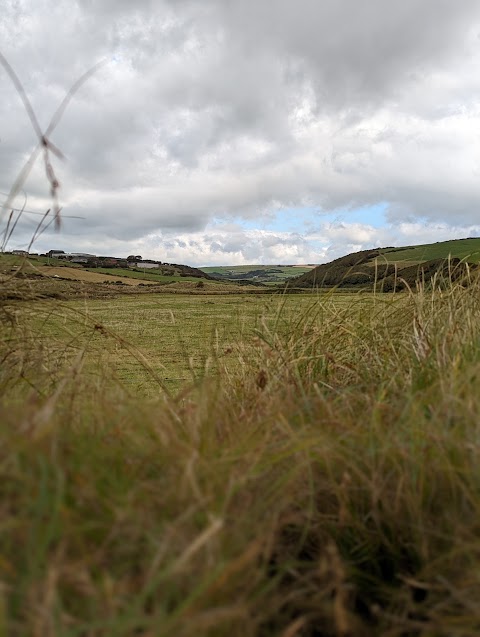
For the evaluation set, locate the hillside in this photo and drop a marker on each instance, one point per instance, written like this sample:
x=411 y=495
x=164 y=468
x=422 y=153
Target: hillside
x=41 y=277
x=468 y=249
x=101 y=265
x=394 y=268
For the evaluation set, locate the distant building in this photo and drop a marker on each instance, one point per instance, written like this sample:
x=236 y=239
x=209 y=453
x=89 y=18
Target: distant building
x=79 y=257
x=20 y=253
x=145 y=264
x=79 y=260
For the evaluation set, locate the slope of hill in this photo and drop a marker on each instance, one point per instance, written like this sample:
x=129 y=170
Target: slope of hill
x=35 y=276
x=468 y=249
x=170 y=271
x=394 y=268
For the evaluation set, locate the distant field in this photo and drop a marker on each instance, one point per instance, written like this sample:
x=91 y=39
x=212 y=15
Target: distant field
x=258 y=273
x=58 y=268
x=146 y=275
x=95 y=276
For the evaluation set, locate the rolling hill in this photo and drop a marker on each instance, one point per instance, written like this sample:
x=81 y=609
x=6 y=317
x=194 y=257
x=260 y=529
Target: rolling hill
x=394 y=268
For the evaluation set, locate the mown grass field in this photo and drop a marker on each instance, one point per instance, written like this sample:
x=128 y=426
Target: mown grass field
x=181 y=338
x=315 y=473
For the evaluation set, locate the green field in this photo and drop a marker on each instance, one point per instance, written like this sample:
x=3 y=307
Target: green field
x=145 y=275
x=149 y=341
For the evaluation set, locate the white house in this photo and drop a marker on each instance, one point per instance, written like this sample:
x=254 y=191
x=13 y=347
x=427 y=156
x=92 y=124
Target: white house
x=148 y=266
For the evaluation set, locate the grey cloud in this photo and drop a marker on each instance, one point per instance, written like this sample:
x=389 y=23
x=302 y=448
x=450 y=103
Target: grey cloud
x=350 y=50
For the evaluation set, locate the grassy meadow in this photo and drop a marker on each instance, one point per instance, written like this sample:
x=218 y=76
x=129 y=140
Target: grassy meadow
x=156 y=342
x=304 y=465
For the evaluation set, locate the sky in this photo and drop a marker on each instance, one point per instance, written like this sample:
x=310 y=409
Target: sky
x=222 y=132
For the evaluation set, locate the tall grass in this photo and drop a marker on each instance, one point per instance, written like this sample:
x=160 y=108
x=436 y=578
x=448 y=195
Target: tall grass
x=328 y=487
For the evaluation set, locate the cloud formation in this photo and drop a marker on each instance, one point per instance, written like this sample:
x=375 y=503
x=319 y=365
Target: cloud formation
x=209 y=117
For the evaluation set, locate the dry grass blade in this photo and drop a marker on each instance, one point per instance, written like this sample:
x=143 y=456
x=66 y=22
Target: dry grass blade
x=44 y=142
x=23 y=96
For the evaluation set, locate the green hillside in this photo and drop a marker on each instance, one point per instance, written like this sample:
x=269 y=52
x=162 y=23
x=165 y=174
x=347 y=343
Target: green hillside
x=394 y=268
x=468 y=249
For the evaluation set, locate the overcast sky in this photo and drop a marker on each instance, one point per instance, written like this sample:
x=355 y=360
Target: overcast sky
x=246 y=131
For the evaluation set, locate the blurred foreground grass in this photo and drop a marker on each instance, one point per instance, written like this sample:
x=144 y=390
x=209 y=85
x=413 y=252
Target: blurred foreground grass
x=324 y=480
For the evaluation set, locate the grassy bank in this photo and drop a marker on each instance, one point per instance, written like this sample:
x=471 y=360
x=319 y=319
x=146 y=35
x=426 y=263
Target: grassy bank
x=327 y=484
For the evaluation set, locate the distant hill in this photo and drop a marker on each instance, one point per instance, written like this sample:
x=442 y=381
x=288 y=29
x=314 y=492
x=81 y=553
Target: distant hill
x=394 y=268
x=257 y=274
x=184 y=271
